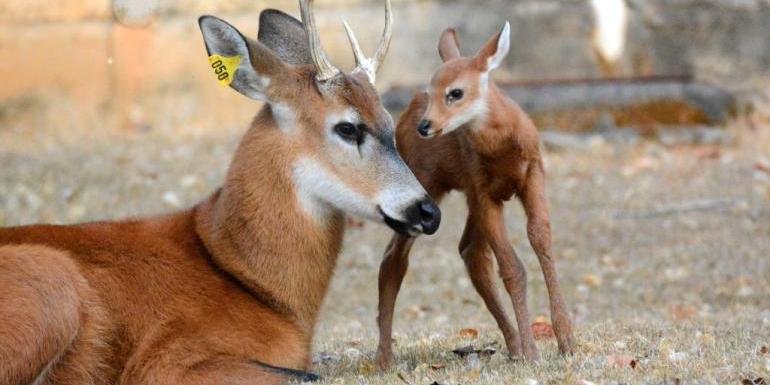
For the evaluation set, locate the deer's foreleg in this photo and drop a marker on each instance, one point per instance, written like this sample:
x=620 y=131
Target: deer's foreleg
x=539 y=233
x=392 y=271
x=511 y=270
x=478 y=261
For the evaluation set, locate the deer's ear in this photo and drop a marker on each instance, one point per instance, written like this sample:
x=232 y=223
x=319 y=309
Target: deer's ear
x=494 y=51
x=257 y=66
x=285 y=35
x=449 y=45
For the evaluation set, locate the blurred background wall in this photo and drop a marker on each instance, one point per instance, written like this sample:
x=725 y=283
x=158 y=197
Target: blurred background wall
x=136 y=58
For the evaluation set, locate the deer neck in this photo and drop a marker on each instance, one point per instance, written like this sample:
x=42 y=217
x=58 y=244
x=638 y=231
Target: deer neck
x=255 y=229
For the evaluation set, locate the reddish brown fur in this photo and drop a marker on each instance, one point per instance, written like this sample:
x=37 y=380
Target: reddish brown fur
x=185 y=298
x=199 y=296
x=490 y=159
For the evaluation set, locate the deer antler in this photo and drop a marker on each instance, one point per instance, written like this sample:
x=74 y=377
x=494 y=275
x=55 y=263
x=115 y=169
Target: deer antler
x=367 y=65
x=325 y=69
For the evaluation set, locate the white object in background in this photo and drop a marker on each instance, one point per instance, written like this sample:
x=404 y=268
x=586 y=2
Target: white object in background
x=610 y=30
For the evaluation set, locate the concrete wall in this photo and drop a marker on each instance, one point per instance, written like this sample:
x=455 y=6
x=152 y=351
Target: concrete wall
x=120 y=51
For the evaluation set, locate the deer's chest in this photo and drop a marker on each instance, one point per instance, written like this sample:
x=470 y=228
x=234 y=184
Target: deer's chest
x=502 y=177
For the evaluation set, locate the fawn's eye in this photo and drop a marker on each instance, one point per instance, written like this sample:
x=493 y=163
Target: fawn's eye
x=454 y=95
x=349 y=131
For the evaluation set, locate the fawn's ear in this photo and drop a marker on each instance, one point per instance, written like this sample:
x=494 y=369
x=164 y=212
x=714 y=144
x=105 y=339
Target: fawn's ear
x=448 y=45
x=285 y=35
x=256 y=66
x=494 y=51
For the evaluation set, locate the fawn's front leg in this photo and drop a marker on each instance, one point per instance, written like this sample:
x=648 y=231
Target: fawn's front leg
x=478 y=261
x=392 y=271
x=512 y=270
x=539 y=233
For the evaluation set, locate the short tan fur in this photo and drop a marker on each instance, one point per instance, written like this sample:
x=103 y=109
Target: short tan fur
x=464 y=134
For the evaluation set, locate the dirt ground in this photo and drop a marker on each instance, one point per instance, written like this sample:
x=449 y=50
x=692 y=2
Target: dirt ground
x=663 y=252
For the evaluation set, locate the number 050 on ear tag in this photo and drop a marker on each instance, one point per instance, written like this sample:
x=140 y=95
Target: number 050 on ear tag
x=224 y=67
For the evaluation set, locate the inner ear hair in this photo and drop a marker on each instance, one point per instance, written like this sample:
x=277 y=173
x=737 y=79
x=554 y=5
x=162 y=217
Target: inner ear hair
x=449 y=45
x=259 y=66
x=495 y=50
x=285 y=35
x=220 y=37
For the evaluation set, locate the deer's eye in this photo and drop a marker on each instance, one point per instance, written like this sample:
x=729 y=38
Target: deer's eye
x=454 y=95
x=349 y=131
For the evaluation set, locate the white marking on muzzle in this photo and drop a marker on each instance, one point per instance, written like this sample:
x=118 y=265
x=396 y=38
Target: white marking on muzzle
x=320 y=193
x=403 y=192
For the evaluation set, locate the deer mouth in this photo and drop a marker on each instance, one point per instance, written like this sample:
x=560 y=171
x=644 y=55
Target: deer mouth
x=400 y=227
x=433 y=133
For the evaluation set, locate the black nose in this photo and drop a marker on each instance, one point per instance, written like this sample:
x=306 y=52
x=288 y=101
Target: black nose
x=423 y=127
x=430 y=216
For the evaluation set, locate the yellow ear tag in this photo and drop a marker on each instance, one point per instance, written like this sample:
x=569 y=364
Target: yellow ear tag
x=224 y=67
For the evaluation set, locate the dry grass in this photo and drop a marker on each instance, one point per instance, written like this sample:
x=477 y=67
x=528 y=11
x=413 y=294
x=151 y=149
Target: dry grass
x=683 y=292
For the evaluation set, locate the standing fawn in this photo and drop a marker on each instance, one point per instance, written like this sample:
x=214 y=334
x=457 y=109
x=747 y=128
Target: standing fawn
x=464 y=134
x=226 y=292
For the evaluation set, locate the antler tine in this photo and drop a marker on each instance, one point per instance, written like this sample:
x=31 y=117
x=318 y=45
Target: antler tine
x=362 y=62
x=325 y=69
x=357 y=52
x=382 y=50
x=367 y=65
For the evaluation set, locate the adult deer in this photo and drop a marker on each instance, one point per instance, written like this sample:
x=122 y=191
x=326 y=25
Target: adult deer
x=464 y=134
x=228 y=291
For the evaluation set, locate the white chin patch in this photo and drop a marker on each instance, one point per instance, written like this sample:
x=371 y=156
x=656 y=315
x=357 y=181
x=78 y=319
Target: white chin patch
x=321 y=193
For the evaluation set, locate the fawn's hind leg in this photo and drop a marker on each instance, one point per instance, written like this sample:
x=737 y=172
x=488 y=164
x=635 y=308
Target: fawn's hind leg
x=392 y=273
x=478 y=261
x=43 y=338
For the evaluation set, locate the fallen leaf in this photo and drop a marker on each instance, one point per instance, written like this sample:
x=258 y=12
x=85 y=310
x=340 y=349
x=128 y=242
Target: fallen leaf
x=761 y=166
x=469 y=333
x=707 y=152
x=592 y=280
x=621 y=361
x=542 y=330
x=646 y=163
x=683 y=312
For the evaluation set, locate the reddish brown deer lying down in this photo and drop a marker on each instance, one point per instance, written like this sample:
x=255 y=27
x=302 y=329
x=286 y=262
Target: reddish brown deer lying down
x=464 y=134
x=227 y=292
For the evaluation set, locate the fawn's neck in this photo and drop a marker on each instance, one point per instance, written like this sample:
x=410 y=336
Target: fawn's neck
x=256 y=230
x=490 y=132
